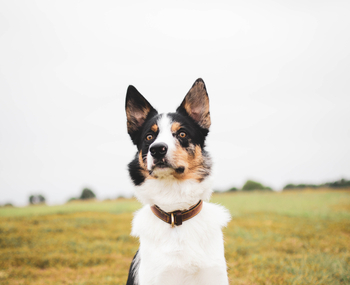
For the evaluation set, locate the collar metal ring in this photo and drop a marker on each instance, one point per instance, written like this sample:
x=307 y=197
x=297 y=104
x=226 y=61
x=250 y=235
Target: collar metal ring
x=172 y=220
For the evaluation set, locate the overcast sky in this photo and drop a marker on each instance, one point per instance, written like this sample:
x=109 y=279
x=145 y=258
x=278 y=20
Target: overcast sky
x=277 y=74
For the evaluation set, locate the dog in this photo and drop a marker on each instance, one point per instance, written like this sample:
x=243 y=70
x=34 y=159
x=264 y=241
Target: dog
x=180 y=233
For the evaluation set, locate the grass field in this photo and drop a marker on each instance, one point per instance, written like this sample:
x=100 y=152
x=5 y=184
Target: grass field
x=273 y=238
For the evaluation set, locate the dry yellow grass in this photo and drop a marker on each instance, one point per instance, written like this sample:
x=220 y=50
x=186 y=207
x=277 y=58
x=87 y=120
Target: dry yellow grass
x=273 y=238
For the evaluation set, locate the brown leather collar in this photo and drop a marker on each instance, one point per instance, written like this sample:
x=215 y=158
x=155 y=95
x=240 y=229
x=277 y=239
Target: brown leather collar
x=177 y=217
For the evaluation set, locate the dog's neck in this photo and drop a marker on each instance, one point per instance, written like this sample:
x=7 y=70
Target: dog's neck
x=173 y=195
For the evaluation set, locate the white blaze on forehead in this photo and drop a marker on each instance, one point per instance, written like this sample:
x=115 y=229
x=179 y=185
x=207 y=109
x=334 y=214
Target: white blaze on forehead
x=164 y=136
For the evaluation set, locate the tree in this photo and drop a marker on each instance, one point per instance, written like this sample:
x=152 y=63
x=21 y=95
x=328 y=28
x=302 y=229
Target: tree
x=36 y=199
x=87 y=194
x=41 y=199
x=31 y=199
x=253 y=185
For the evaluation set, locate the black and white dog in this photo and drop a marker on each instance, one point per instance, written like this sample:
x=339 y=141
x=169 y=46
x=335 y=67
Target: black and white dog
x=181 y=240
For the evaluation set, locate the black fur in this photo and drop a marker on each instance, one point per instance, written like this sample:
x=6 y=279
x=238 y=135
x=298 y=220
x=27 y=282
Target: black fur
x=132 y=271
x=135 y=171
x=146 y=129
x=134 y=167
x=195 y=133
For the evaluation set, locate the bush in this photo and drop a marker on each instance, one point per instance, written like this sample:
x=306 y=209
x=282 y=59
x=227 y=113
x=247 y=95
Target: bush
x=7 y=205
x=233 y=189
x=121 y=197
x=72 y=199
x=87 y=194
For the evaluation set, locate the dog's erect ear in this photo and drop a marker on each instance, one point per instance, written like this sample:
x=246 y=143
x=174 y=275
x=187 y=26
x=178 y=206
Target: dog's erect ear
x=137 y=110
x=196 y=104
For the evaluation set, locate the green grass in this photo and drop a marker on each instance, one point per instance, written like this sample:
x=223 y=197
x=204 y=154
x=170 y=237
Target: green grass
x=273 y=238
x=121 y=206
x=308 y=204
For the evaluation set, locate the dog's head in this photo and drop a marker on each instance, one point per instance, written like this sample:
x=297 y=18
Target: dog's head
x=170 y=145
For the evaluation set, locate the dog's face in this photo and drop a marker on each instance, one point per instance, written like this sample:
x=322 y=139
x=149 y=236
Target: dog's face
x=170 y=145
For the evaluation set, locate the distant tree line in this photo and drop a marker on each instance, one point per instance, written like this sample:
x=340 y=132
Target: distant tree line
x=251 y=185
x=40 y=199
x=342 y=183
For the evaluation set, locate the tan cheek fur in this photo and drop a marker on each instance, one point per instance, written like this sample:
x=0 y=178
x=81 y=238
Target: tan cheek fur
x=192 y=163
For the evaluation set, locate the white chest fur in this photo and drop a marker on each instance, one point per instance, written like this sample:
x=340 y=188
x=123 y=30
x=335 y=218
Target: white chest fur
x=192 y=253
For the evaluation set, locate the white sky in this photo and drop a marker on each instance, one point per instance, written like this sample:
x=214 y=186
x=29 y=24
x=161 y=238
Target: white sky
x=277 y=74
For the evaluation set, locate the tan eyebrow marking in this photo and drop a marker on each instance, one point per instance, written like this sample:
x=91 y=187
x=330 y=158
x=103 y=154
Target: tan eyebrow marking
x=154 y=128
x=175 y=127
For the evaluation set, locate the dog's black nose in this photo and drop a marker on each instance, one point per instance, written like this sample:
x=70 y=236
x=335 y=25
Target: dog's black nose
x=159 y=150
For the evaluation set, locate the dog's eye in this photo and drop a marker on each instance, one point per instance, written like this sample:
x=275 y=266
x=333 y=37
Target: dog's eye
x=149 y=137
x=182 y=135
